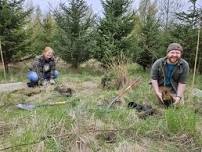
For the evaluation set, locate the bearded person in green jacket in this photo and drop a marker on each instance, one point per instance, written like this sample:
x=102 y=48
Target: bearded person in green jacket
x=170 y=72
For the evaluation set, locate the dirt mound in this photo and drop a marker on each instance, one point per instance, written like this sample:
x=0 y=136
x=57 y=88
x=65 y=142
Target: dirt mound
x=65 y=90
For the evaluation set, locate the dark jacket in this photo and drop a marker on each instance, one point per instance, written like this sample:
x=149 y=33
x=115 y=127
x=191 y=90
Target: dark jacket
x=179 y=75
x=43 y=68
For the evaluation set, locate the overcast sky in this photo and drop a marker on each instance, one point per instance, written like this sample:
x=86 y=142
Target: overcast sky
x=45 y=5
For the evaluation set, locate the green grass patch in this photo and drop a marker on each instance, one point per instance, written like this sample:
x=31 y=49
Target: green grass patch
x=88 y=109
x=181 y=120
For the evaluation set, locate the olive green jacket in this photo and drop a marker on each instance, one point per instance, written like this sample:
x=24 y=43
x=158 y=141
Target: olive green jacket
x=38 y=66
x=179 y=75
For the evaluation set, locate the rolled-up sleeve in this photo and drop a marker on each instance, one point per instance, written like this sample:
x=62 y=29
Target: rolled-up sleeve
x=185 y=73
x=37 y=67
x=155 y=70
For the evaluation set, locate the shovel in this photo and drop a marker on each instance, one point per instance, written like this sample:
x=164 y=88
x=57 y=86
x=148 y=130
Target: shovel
x=29 y=106
x=131 y=85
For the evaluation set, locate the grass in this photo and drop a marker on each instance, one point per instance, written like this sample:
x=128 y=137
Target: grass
x=181 y=120
x=85 y=123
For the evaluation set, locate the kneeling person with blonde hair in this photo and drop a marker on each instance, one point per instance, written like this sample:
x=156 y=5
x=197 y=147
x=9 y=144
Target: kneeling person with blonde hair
x=43 y=69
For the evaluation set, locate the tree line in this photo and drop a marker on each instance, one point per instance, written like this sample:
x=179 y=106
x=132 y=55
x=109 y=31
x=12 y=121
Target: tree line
x=77 y=34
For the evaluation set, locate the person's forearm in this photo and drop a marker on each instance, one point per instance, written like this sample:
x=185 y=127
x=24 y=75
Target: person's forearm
x=180 y=89
x=155 y=86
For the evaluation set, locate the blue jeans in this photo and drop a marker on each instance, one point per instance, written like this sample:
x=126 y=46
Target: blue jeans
x=33 y=77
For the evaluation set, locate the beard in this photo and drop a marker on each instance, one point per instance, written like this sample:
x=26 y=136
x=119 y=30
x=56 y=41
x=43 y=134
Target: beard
x=173 y=60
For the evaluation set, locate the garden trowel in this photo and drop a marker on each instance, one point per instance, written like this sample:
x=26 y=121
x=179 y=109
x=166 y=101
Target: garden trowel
x=30 y=106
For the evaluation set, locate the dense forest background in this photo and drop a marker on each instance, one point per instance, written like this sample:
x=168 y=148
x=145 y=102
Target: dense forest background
x=77 y=34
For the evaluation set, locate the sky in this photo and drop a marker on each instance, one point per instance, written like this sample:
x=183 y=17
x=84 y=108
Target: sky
x=45 y=5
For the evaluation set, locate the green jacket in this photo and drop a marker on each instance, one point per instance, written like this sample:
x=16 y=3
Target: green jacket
x=39 y=65
x=180 y=72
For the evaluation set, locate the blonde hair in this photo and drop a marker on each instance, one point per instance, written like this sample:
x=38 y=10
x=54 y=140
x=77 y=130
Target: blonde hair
x=48 y=49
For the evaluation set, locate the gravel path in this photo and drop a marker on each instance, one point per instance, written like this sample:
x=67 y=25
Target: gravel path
x=8 y=87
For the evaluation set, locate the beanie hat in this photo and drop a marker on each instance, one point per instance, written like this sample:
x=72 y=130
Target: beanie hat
x=174 y=46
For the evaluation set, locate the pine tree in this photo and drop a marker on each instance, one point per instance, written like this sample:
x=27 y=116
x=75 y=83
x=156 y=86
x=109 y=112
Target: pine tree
x=113 y=29
x=186 y=32
x=42 y=30
x=12 y=33
x=75 y=36
x=192 y=16
x=149 y=37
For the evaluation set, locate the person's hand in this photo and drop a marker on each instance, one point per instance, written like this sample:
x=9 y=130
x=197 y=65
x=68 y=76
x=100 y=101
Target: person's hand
x=177 y=100
x=44 y=83
x=159 y=95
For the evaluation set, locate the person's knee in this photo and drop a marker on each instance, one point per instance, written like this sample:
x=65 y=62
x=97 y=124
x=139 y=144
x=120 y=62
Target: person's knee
x=32 y=76
x=55 y=74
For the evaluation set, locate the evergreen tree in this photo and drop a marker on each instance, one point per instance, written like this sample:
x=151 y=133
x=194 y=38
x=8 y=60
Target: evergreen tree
x=12 y=33
x=149 y=38
x=42 y=30
x=113 y=30
x=192 y=16
x=75 y=37
x=187 y=32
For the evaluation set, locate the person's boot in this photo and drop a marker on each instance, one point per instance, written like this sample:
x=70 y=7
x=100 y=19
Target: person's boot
x=32 y=84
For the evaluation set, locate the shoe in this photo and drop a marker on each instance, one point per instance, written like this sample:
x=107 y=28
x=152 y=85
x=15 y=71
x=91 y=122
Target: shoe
x=32 y=84
x=52 y=82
